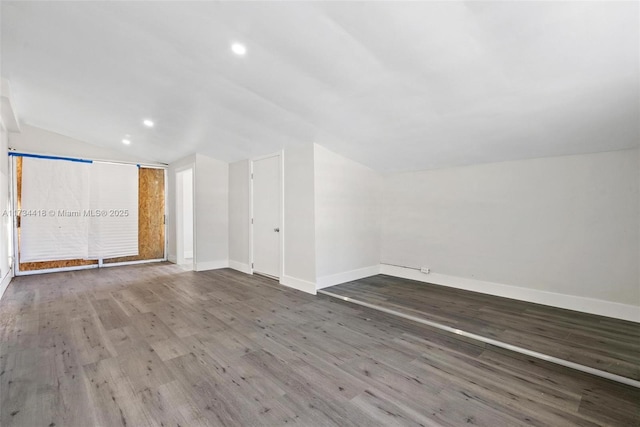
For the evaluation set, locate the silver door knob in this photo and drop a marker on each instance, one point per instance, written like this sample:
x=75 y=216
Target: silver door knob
x=277 y=230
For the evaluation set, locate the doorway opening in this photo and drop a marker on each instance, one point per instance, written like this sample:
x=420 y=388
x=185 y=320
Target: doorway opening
x=185 y=241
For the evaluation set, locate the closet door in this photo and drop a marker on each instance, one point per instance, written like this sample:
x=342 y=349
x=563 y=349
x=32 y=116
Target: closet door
x=266 y=216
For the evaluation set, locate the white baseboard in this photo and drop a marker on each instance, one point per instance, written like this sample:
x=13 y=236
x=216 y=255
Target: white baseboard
x=570 y=302
x=299 y=284
x=5 y=282
x=188 y=254
x=240 y=266
x=211 y=265
x=172 y=258
x=347 y=276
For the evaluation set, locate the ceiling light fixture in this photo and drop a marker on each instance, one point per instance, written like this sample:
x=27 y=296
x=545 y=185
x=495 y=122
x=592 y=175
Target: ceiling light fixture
x=239 y=49
x=126 y=141
x=148 y=123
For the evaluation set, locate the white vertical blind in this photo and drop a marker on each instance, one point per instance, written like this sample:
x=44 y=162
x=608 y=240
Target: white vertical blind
x=113 y=200
x=78 y=210
x=54 y=196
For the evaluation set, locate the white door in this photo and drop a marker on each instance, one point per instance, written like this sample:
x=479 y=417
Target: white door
x=266 y=216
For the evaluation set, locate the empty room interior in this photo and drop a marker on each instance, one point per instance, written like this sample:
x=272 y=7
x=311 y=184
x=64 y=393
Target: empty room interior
x=320 y=213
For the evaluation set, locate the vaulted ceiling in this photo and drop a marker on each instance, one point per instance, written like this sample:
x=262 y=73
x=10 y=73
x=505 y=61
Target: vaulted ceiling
x=394 y=85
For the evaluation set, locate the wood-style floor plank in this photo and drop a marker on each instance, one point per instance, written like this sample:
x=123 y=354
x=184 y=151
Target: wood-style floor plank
x=152 y=345
x=610 y=345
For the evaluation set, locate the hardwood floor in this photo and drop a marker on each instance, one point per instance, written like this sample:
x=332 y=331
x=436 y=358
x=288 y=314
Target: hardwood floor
x=152 y=345
x=603 y=343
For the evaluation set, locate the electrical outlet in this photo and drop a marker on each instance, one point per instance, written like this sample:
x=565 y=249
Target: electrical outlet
x=425 y=270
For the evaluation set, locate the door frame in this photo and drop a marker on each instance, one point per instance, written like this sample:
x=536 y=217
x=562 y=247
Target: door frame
x=279 y=154
x=179 y=232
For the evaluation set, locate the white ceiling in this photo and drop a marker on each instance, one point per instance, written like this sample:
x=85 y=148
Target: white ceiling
x=396 y=86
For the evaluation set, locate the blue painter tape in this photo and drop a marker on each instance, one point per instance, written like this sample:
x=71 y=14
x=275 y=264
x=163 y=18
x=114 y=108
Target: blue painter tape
x=40 y=156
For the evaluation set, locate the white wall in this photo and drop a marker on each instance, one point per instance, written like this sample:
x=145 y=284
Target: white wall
x=239 y=195
x=561 y=231
x=35 y=140
x=299 y=218
x=347 y=220
x=562 y=225
x=212 y=213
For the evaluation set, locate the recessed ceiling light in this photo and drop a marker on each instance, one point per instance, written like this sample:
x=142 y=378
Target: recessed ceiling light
x=148 y=123
x=239 y=49
x=126 y=141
